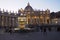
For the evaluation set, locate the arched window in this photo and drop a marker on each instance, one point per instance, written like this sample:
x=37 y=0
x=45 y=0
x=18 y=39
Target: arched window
x=47 y=20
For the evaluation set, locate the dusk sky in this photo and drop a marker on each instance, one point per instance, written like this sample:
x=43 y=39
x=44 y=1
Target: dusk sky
x=14 y=5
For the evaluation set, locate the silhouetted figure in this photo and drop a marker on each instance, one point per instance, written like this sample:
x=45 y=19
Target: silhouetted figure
x=44 y=29
x=6 y=29
x=41 y=28
x=49 y=29
x=10 y=29
x=58 y=29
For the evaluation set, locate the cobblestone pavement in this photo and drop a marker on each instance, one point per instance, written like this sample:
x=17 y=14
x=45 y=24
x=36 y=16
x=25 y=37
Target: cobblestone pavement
x=31 y=36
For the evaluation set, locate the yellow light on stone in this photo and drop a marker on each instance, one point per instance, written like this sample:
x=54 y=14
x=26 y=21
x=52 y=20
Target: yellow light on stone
x=56 y=22
x=35 y=17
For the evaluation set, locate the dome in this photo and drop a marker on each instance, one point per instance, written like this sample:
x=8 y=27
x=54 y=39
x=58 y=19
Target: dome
x=28 y=8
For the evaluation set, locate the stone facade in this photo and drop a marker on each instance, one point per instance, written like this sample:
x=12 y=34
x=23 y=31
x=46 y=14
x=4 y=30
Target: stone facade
x=29 y=15
x=8 y=19
x=35 y=16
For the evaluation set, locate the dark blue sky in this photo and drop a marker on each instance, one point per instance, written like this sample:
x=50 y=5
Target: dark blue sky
x=14 y=5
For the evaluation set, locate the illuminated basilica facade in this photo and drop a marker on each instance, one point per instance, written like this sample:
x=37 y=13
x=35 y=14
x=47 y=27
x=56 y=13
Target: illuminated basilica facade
x=31 y=16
